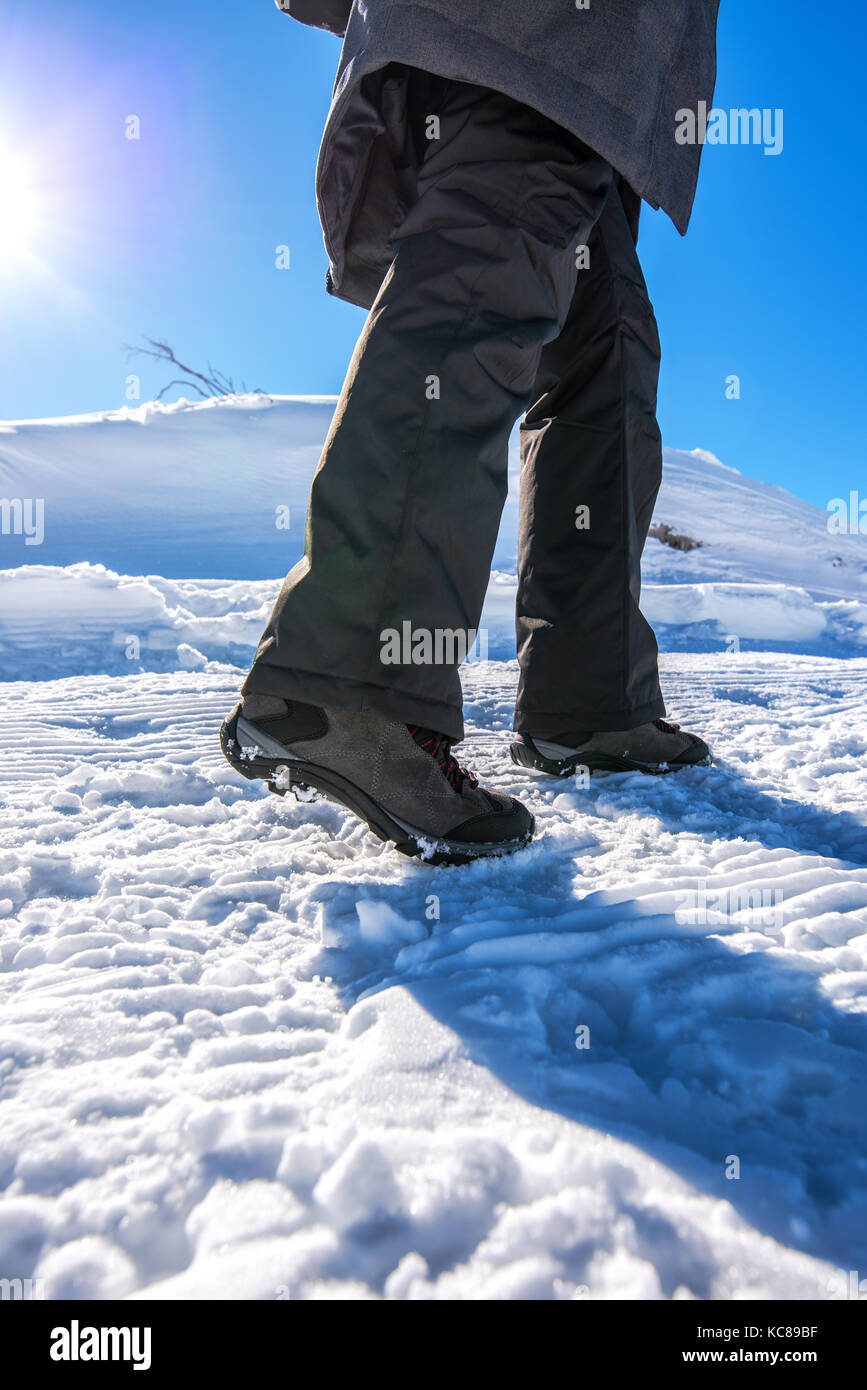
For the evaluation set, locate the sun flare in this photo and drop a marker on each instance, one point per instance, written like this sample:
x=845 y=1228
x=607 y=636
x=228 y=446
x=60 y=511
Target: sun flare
x=20 y=212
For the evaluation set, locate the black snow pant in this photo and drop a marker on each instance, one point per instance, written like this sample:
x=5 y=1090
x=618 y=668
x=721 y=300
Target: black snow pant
x=514 y=280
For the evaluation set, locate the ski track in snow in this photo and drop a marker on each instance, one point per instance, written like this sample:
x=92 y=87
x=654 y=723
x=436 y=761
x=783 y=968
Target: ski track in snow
x=242 y=1058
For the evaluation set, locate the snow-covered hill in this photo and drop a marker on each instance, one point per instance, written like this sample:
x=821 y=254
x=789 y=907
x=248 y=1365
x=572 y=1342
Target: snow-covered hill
x=248 y=1051
x=205 y=500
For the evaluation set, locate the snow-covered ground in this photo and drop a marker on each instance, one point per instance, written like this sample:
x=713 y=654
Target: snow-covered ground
x=246 y=1050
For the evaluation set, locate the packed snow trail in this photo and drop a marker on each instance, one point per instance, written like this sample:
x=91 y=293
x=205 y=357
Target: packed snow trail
x=249 y=1051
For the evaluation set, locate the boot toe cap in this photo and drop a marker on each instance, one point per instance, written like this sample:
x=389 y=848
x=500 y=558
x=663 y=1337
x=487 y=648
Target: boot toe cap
x=697 y=751
x=506 y=820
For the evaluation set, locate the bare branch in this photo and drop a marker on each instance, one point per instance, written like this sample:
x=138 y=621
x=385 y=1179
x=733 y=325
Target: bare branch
x=179 y=382
x=213 y=382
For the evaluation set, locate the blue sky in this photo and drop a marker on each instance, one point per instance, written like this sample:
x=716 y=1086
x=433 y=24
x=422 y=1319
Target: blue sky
x=174 y=235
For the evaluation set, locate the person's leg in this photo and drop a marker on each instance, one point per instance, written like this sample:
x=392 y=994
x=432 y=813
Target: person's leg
x=588 y=657
x=406 y=503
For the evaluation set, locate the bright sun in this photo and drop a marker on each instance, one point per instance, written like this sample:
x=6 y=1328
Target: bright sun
x=19 y=209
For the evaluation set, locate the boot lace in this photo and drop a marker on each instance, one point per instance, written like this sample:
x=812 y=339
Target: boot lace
x=439 y=748
x=666 y=728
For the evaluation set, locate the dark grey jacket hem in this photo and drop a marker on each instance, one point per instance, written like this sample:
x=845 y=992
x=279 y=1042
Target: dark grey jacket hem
x=331 y=15
x=362 y=130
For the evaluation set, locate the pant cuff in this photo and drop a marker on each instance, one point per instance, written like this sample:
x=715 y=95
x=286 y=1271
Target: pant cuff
x=596 y=721
x=336 y=692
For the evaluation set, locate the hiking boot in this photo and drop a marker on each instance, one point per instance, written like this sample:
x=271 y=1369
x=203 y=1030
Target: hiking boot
x=653 y=748
x=401 y=780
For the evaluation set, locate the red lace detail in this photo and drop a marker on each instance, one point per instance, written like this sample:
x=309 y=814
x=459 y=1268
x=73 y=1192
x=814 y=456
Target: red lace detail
x=439 y=748
x=666 y=728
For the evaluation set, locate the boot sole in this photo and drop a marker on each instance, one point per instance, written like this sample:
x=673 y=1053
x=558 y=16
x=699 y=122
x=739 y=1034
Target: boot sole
x=294 y=774
x=527 y=755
